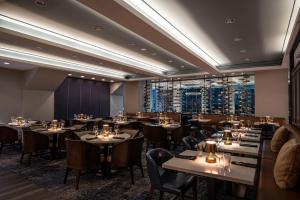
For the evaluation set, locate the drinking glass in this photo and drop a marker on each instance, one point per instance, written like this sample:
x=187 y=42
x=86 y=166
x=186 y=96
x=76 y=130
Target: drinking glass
x=13 y=119
x=95 y=129
x=226 y=162
x=62 y=124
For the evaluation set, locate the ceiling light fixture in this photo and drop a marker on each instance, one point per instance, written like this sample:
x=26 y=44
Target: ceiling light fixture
x=82 y=76
x=112 y=81
x=170 y=61
x=160 y=22
x=103 y=79
x=69 y=74
x=98 y=28
x=93 y=78
x=143 y=49
x=40 y=3
x=237 y=39
x=6 y=63
x=247 y=59
x=75 y=44
x=229 y=21
x=61 y=63
x=243 y=51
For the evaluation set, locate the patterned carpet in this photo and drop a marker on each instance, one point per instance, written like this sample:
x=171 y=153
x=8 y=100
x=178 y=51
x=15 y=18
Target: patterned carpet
x=49 y=174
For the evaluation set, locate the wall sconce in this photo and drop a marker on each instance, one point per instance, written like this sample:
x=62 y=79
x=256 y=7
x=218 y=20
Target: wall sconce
x=210 y=148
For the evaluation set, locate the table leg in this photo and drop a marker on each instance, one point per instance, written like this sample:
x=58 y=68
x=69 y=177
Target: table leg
x=54 y=149
x=105 y=167
x=211 y=189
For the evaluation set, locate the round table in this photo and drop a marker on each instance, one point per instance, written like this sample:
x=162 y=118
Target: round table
x=105 y=142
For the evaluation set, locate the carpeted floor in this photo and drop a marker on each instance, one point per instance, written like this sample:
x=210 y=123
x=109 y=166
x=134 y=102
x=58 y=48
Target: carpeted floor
x=49 y=174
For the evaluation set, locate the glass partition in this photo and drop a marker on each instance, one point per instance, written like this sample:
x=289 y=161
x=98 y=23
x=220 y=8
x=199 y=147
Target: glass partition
x=214 y=95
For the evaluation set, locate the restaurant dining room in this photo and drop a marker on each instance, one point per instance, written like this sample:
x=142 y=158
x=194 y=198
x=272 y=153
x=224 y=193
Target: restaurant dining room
x=149 y=99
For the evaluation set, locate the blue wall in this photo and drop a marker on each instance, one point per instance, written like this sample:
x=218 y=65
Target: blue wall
x=76 y=96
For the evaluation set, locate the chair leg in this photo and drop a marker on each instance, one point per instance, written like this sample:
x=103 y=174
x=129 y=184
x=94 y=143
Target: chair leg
x=131 y=174
x=29 y=159
x=66 y=175
x=151 y=192
x=195 y=190
x=161 y=195
x=142 y=171
x=22 y=156
x=77 y=179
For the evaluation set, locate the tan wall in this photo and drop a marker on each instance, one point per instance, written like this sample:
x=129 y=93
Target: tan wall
x=133 y=97
x=15 y=101
x=271 y=95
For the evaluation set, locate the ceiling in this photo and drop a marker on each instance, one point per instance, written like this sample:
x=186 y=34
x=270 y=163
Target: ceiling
x=115 y=39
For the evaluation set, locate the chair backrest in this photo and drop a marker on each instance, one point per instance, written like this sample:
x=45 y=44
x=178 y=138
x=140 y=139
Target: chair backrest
x=155 y=158
x=154 y=134
x=181 y=132
x=190 y=142
x=34 y=141
x=8 y=134
x=135 y=150
x=120 y=154
x=81 y=155
x=66 y=135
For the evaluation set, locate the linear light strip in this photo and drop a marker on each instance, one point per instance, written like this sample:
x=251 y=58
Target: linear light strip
x=61 y=64
x=142 y=8
x=41 y=33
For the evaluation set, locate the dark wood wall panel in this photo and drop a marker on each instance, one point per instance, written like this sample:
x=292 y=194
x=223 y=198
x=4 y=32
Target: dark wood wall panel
x=76 y=96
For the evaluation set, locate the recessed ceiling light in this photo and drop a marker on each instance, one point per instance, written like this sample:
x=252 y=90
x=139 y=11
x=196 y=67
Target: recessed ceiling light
x=40 y=3
x=40 y=48
x=82 y=76
x=229 y=20
x=103 y=79
x=93 y=78
x=69 y=74
x=143 y=49
x=6 y=63
x=98 y=28
x=237 y=39
x=182 y=66
x=243 y=51
x=170 y=61
x=247 y=59
x=112 y=81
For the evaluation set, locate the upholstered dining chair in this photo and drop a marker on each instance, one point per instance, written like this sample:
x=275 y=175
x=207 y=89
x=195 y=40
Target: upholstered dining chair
x=33 y=142
x=155 y=136
x=179 y=133
x=8 y=135
x=165 y=180
x=61 y=140
x=81 y=156
x=190 y=142
x=128 y=154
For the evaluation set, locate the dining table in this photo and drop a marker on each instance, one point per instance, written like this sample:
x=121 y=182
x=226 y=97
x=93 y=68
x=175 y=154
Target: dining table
x=241 y=170
x=200 y=120
x=105 y=141
x=241 y=148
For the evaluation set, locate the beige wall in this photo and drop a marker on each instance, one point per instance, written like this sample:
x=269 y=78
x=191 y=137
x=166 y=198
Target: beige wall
x=271 y=95
x=10 y=94
x=133 y=96
x=38 y=104
x=16 y=101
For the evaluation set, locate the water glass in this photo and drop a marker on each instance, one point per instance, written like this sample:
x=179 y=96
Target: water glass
x=226 y=162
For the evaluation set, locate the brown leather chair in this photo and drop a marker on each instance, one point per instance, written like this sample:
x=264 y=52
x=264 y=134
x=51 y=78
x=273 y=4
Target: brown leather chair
x=155 y=135
x=61 y=140
x=81 y=156
x=128 y=154
x=179 y=133
x=33 y=142
x=8 y=136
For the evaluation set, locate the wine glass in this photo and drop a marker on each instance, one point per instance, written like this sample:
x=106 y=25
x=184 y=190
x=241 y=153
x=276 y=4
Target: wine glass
x=226 y=162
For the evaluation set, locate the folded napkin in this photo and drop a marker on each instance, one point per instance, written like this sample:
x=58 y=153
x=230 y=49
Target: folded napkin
x=244 y=164
x=119 y=138
x=248 y=145
x=91 y=138
x=251 y=135
x=186 y=157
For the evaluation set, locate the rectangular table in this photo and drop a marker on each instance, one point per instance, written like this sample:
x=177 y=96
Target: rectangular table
x=237 y=149
x=199 y=167
x=252 y=137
